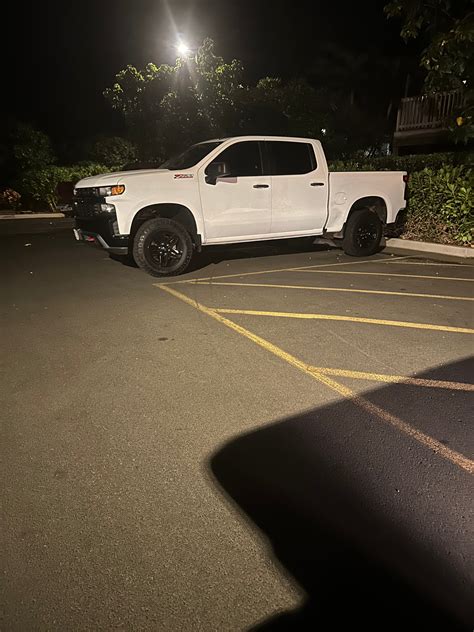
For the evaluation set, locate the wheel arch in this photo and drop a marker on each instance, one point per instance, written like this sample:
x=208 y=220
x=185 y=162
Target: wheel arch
x=177 y=212
x=375 y=203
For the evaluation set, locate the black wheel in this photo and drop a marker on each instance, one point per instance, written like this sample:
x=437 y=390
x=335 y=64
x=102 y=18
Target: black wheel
x=162 y=247
x=363 y=233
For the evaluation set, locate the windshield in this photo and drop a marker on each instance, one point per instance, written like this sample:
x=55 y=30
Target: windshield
x=191 y=156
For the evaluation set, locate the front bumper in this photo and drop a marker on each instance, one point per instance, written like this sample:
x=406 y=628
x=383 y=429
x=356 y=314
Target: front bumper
x=101 y=231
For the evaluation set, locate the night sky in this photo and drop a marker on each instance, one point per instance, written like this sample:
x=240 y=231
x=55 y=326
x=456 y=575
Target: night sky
x=61 y=55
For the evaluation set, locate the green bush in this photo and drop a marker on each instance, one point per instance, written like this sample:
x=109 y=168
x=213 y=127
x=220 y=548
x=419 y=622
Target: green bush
x=40 y=185
x=32 y=149
x=415 y=162
x=441 y=205
x=441 y=193
x=114 y=150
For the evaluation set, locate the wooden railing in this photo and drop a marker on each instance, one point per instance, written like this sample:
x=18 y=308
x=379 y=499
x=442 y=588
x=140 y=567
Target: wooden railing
x=427 y=112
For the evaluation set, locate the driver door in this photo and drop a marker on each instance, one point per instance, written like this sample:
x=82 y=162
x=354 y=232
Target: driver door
x=236 y=204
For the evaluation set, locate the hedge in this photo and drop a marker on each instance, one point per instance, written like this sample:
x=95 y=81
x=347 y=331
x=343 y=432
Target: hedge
x=41 y=185
x=440 y=194
x=441 y=191
x=441 y=206
x=415 y=162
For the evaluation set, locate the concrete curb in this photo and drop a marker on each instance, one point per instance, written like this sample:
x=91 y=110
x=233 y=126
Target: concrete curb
x=439 y=251
x=33 y=216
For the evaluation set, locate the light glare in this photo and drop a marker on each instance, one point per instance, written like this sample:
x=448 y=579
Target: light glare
x=183 y=48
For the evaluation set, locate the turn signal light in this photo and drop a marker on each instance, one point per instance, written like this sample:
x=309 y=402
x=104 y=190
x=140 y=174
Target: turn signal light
x=118 y=189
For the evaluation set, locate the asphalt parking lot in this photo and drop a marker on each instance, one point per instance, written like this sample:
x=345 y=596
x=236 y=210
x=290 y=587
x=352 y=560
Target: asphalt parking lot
x=279 y=438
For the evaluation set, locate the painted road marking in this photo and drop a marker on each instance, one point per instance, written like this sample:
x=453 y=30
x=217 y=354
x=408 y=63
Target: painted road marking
x=406 y=276
x=230 y=276
x=350 y=319
x=335 y=289
x=431 y=263
x=243 y=274
x=356 y=261
x=439 y=448
x=395 y=379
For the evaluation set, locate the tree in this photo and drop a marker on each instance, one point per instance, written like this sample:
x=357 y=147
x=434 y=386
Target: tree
x=22 y=148
x=448 y=57
x=113 y=151
x=219 y=88
x=168 y=107
x=32 y=149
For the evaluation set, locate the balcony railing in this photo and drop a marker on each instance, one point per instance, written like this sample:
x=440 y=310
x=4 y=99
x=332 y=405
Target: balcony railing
x=427 y=112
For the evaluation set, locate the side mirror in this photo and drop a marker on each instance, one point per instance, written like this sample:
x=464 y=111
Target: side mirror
x=216 y=170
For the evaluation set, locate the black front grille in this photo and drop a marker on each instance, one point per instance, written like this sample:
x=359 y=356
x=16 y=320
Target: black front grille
x=86 y=202
x=85 y=208
x=85 y=193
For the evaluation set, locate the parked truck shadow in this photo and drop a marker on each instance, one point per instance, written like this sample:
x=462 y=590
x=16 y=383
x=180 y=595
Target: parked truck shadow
x=366 y=520
x=213 y=255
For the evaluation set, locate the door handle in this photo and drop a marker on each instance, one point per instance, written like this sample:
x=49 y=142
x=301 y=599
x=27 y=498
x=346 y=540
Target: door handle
x=317 y=184
x=261 y=186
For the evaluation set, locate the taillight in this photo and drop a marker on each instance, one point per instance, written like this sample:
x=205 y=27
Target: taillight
x=406 y=177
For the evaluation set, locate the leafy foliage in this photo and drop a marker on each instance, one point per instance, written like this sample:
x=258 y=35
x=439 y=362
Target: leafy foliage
x=418 y=15
x=41 y=185
x=170 y=107
x=448 y=57
x=441 y=194
x=441 y=205
x=32 y=148
x=410 y=163
x=113 y=150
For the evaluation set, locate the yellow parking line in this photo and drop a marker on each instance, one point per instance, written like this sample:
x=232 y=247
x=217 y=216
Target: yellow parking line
x=336 y=289
x=406 y=276
x=230 y=276
x=396 y=379
x=243 y=274
x=350 y=319
x=356 y=261
x=431 y=263
x=451 y=455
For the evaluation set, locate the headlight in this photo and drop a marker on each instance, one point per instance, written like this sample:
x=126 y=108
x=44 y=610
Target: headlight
x=118 y=189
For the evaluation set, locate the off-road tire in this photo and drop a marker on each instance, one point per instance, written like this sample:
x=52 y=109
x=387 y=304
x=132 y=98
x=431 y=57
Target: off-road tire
x=363 y=233
x=162 y=247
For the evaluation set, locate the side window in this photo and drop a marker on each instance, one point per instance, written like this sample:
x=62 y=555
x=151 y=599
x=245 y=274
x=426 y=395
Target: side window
x=289 y=158
x=241 y=159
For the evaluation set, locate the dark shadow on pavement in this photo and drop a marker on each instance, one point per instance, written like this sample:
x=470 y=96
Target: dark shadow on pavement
x=34 y=226
x=213 y=255
x=126 y=260
x=372 y=525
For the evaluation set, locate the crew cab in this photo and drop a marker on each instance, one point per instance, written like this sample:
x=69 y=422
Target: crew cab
x=233 y=190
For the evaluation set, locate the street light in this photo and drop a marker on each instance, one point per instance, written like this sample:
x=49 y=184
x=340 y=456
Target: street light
x=182 y=48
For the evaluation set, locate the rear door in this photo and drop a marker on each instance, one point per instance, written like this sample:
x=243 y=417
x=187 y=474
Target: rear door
x=238 y=205
x=299 y=187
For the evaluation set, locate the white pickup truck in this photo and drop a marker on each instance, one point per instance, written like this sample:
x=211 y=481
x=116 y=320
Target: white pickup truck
x=248 y=188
